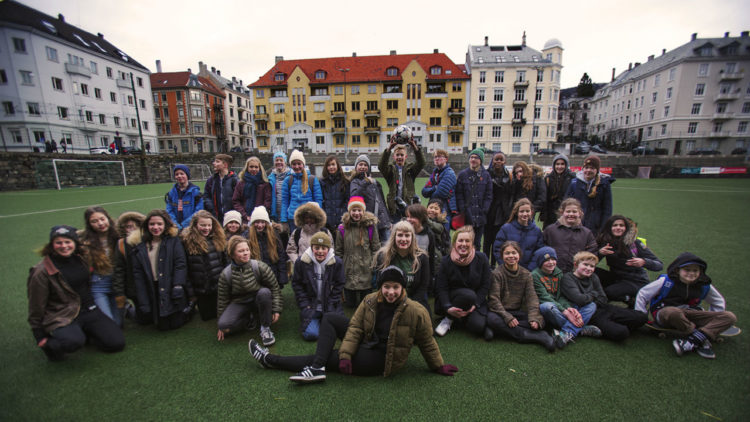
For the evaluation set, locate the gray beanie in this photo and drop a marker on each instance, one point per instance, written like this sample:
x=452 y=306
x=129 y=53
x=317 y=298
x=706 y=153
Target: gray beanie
x=364 y=158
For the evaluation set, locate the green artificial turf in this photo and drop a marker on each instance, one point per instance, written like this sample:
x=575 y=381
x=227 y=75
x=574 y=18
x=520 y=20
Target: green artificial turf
x=187 y=375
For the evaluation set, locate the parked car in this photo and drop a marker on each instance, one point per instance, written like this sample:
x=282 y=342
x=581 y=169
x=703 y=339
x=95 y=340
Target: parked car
x=704 y=151
x=236 y=149
x=598 y=149
x=130 y=150
x=739 y=151
x=641 y=150
x=546 y=151
x=99 y=150
x=582 y=148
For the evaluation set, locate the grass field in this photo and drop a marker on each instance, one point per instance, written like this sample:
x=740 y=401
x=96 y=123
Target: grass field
x=187 y=375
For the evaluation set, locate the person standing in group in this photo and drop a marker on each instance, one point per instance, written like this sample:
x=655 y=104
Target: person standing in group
x=204 y=244
x=364 y=185
x=400 y=175
x=309 y=219
x=594 y=191
x=376 y=341
x=556 y=183
x=184 y=199
x=219 y=189
x=335 y=187
x=357 y=242
x=62 y=311
x=266 y=245
x=441 y=184
x=474 y=195
x=528 y=185
x=522 y=229
x=160 y=272
x=299 y=189
x=568 y=236
x=500 y=209
x=416 y=215
x=99 y=239
x=233 y=225
x=123 y=284
x=277 y=178
x=252 y=190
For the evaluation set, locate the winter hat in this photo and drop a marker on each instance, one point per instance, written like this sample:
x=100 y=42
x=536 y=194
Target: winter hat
x=543 y=255
x=232 y=216
x=320 y=239
x=364 y=158
x=356 y=201
x=391 y=273
x=63 y=231
x=561 y=157
x=593 y=161
x=478 y=152
x=260 y=213
x=296 y=155
x=183 y=168
x=278 y=154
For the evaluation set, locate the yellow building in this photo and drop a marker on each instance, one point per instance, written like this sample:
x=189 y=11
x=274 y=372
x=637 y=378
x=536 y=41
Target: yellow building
x=352 y=104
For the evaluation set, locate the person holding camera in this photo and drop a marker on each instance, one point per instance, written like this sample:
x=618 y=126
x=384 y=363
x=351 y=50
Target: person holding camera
x=400 y=175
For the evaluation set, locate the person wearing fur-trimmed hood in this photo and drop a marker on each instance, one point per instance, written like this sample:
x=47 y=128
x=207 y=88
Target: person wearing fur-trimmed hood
x=309 y=219
x=357 y=242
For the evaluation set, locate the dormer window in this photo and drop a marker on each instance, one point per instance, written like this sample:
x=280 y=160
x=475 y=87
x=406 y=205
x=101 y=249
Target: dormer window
x=705 y=51
x=392 y=71
x=78 y=37
x=51 y=28
x=278 y=77
x=320 y=74
x=436 y=70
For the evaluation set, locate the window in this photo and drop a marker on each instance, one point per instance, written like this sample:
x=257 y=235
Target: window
x=339 y=139
x=389 y=104
x=437 y=70
x=51 y=54
x=649 y=131
x=356 y=139
x=435 y=121
x=26 y=77
x=339 y=106
x=391 y=71
x=672 y=74
x=278 y=77
x=482 y=76
x=98 y=95
x=34 y=109
x=520 y=76
x=113 y=97
x=355 y=123
x=62 y=112
x=139 y=81
x=481 y=95
x=89 y=116
x=338 y=90
x=669 y=93
x=355 y=105
x=657 y=80
x=166 y=113
x=278 y=108
x=141 y=101
x=653 y=98
x=497 y=113
x=278 y=93
x=436 y=103
x=721 y=107
x=666 y=111
x=480 y=113
x=496 y=131
x=651 y=114
x=692 y=127
x=355 y=89
x=456 y=86
x=197 y=111
x=109 y=72
x=320 y=91
x=718 y=126
x=116 y=121
x=39 y=136
x=16 y=135
x=94 y=68
x=700 y=89
x=742 y=127
x=535 y=133
x=703 y=69
x=696 y=109
x=102 y=119
x=320 y=124
x=8 y=108
x=540 y=76
x=392 y=122
x=746 y=108
x=663 y=129
x=57 y=84
x=319 y=74
x=19 y=45
x=317 y=107
x=3 y=77
x=516 y=147
x=539 y=92
x=480 y=131
x=537 y=112
x=498 y=96
x=517 y=130
x=198 y=128
x=372 y=139
x=84 y=89
x=372 y=89
x=259 y=93
x=518 y=113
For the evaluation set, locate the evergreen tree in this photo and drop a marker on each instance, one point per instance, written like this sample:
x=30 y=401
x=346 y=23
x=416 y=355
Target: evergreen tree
x=585 y=87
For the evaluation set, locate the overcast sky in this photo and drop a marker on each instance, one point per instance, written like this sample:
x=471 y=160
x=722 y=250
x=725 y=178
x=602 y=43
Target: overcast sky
x=241 y=38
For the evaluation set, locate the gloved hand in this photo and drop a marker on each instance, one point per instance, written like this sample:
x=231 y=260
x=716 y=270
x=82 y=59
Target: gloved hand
x=345 y=366
x=120 y=300
x=447 y=370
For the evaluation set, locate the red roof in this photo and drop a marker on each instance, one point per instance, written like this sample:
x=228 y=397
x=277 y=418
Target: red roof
x=182 y=80
x=362 y=69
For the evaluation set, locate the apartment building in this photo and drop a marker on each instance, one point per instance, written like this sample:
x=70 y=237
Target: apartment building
x=352 y=104
x=237 y=111
x=695 y=96
x=514 y=98
x=59 y=82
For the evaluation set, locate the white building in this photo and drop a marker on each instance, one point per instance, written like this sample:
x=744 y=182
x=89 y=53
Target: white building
x=237 y=111
x=59 y=82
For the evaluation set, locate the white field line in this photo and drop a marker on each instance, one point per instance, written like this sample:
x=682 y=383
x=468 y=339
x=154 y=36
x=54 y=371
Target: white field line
x=684 y=190
x=78 y=207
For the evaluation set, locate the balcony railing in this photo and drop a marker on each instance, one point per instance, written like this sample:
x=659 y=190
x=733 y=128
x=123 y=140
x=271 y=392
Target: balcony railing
x=723 y=116
x=719 y=134
x=731 y=76
x=261 y=132
x=78 y=70
x=520 y=121
x=727 y=96
x=338 y=129
x=520 y=84
x=261 y=116
x=456 y=111
x=456 y=128
x=520 y=102
x=338 y=113
x=372 y=113
x=372 y=129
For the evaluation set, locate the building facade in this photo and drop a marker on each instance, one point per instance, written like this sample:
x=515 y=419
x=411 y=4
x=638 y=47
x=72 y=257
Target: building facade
x=189 y=112
x=352 y=104
x=573 y=119
x=695 y=96
x=59 y=82
x=514 y=96
x=237 y=110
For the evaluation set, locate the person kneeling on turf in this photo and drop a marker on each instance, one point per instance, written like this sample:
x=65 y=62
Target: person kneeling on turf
x=674 y=298
x=376 y=341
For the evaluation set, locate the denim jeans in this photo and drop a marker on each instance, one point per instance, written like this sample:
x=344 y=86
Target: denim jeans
x=554 y=316
x=101 y=290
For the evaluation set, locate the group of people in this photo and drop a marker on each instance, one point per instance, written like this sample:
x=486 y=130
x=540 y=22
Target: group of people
x=229 y=251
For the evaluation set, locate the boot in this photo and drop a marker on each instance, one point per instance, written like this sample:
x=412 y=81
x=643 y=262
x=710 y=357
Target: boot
x=540 y=337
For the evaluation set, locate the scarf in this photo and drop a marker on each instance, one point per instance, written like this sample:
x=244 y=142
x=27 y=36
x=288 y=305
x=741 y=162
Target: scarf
x=251 y=187
x=462 y=262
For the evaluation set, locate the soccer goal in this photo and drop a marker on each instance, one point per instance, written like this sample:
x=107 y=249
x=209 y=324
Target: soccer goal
x=197 y=171
x=79 y=173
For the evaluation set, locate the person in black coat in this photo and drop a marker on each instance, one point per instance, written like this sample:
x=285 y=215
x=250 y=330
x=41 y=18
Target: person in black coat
x=204 y=244
x=556 y=184
x=528 y=185
x=219 y=188
x=502 y=195
x=474 y=195
x=335 y=187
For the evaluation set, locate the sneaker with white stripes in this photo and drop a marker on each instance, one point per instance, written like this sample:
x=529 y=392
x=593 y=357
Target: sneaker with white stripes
x=309 y=375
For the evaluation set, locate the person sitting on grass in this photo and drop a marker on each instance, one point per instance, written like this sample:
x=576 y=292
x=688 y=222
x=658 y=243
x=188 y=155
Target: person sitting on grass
x=62 y=312
x=99 y=238
x=557 y=311
x=581 y=287
x=184 y=199
x=462 y=283
x=674 y=302
x=205 y=246
x=521 y=228
x=568 y=236
x=376 y=341
x=233 y=225
x=123 y=284
x=513 y=305
x=357 y=242
x=245 y=286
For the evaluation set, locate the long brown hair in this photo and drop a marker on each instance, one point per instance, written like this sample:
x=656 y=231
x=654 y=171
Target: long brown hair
x=252 y=240
x=389 y=250
x=517 y=206
x=95 y=251
x=339 y=171
x=195 y=243
x=527 y=181
x=146 y=235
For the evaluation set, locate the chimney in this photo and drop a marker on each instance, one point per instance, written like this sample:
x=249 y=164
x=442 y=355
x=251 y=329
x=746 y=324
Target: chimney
x=744 y=34
x=636 y=64
x=393 y=52
x=213 y=69
x=240 y=82
x=61 y=17
x=694 y=36
x=651 y=57
x=630 y=66
x=354 y=54
x=279 y=59
x=523 y=39
x=190 y=71
x=158 y=66
x=435 y=51
x=613 y=74
x=200 y=67
x=726 y=34
x=663 y=51
x=486 y=40
x=218 y=72
x=100 y=35
x=234 y=79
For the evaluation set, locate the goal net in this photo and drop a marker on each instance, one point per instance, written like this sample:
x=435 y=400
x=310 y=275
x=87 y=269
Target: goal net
x=197 y=171
x=60 y=173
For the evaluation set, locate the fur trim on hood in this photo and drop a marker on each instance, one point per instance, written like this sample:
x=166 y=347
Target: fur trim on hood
x=632 y=234
x=135 y=238
x=308 y=257
x=310 y=209
x=125 y=217
x=368 y=219
x=537 y=170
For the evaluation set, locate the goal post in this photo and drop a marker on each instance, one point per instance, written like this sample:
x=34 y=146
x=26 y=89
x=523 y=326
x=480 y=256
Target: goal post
x=197 y=171
x=102 y=172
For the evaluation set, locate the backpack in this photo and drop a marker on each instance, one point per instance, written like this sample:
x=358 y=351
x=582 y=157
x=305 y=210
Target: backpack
x=298 y=233
x=342 y=230
x=666 y=287
x=227 y=273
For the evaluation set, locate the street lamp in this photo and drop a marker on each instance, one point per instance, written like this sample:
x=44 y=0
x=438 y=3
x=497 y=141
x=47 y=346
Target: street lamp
x=346 y=141
x=533 y=117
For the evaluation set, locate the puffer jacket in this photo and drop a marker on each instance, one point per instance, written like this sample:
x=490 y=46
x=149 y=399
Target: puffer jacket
x=263 y=196
x=243 y=285
x=52 y=302
x=171 y=280
x=217 y=194
x=474 y=195
x=370 y=189
x=502 y=195
x=122 y=275
x=192 y=201
x=335 y=199
x=596 y=210
x=512 y=292
x=411 y=324
x=306 y=288
x=451 y=277
x=293 y=249
x=441 y=185
x=357 y=250
x=277 y=179
x=280 y=266
x=292 y=197
x=529 y=237
x=204 y=269
x=568 y=241
x=417 y=284
x=409 y=173
x=537 y=194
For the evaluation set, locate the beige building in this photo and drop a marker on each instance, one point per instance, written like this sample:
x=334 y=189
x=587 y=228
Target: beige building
x=237 y=110
x=514 y=96
x=695 y=96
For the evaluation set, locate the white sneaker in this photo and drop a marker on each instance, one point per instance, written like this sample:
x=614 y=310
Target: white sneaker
x=443 y=327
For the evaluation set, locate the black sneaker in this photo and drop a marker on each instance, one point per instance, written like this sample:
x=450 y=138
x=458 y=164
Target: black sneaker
x=488 y=334
x=259 y=353
x=682 y=345
x=561 y=338
x=706 y=351
x=309 y=375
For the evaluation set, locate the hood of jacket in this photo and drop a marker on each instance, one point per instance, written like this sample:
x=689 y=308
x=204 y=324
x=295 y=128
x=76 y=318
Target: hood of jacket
x=561 y=157
x=125 y=217
x=309 y=209
x=537 y=170
x=136 y=237
x=309 y=257
x=368 y=219
x=684 y=258
x=629 y=238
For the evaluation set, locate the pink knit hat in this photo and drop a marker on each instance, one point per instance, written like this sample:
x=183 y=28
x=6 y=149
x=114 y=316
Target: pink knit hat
x=356 y=201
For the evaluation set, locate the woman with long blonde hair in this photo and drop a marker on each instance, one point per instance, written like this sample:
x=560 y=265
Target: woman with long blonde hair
x=252 y=189
x=204 y=243
x=266 y=245
x=298 y=190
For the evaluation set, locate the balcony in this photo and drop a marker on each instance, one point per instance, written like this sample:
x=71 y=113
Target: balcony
x=260 y=132
x=372 y=113
x=521 y=84
x=727 y=96
x=723 y=116
x=522 y=103
x=242 y=122
x=719 y=134
x=242 y=106
x=731 y=76
x=520 y=121
x=455 y=129
x=78 y=70
x=336 y=130
x=372 y=129
x=456 y=111
x=337 y=114
x=123 y=83
x=261 y=117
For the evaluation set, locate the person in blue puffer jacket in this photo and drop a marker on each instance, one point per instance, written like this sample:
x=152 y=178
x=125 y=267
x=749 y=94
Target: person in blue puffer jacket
x=276 y=177
x=441 y=184
x=301 y=189
x=522 y=229
x=184 y=199
x=594 y=191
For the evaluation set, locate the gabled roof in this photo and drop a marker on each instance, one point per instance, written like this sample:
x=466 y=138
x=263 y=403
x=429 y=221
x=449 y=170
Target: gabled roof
x=183 y=80
x=361 y=69
x=19 y=14
x=505 y=54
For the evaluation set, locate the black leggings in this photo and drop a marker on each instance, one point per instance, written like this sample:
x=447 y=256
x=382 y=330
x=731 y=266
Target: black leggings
x=94 y=325
x=365 y=361
x=618 y=289
x=465 y=298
